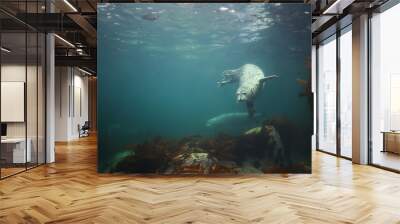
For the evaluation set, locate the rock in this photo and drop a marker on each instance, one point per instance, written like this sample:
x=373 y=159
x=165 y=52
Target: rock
x=259 y=149
x=249 y=168
x=149 y=157
x=197 y=157
x=278 y=151
x=192 y=163
x=225 y=167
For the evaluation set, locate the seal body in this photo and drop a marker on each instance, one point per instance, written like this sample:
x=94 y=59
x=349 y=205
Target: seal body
x=251 y=80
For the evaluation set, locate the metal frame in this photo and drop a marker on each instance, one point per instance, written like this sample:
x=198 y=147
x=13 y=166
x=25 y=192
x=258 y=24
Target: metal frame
x=369 y=81
x=317 y=93
x=387 y=5
x=316 y=97
x=338 y=98
x=338 y=152
x=26 y=89
x=0 y=94
x=27 y=28
x=380 y=9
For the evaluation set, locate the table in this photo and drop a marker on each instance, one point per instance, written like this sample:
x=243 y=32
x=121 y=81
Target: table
x=13 y=150
x=391 y=141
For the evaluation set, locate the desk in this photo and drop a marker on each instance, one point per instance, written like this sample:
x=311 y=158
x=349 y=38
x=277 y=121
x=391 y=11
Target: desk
x=13 y=150
x=391 y=141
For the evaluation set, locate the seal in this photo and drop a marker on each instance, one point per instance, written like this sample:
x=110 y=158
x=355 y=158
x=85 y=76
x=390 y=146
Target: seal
x=251 y=80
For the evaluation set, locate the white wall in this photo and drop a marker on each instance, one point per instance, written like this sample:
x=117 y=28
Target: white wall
x=80 y=110
x=33 y=127
x=71 y=102
x=16 y=72
x=62 y=81
x=9 y=73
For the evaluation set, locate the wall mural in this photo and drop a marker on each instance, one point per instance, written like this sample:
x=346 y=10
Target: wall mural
x=197 y=88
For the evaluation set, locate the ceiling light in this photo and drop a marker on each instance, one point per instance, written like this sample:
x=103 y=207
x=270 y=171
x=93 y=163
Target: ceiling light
x=65 y=41
x=334 y=5
x=70 y=5
x=79 y=51
x=337 y=7
x=84 y=71
x=5 y=50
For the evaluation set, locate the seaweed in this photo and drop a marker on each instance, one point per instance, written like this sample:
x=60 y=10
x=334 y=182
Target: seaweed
x=255 y=151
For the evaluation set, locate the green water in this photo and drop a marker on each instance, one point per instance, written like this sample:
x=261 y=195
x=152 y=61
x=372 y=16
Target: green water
x=158 y=67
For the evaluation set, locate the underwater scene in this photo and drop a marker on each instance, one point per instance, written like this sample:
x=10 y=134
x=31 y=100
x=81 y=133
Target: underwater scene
x=204 y=88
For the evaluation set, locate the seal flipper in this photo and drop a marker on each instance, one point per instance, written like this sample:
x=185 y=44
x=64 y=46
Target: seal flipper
x=268 y=77
x=224 y=81
x=229 y=76
x=250 y=108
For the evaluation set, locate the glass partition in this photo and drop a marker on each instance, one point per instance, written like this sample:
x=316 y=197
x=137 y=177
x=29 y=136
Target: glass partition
x=31 y=100
x=346 y=92
x=41 y=96
x=14 y=151
x=327 y=95
x=385 y=89
x=22 y=91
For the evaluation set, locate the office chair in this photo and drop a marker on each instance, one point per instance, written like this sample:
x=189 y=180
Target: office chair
x=84 y=130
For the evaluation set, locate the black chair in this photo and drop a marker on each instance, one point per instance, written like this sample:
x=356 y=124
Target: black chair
x=84 y=130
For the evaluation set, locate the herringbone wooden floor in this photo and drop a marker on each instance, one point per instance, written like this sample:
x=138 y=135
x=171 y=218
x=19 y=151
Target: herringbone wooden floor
x=70 y=191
